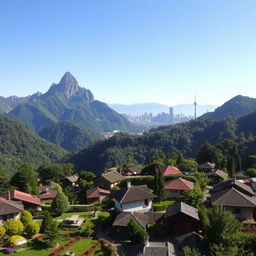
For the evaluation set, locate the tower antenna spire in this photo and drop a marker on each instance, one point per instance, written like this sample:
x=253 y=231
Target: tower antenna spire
x=195 y=105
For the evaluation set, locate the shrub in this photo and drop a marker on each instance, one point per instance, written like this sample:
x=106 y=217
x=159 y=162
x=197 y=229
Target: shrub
x=26 y=217
x=32 y=228
x=162 y=205
x=2 y=231
x=87 y=229
x=187 y=251
x=60 y=203
x=9 y=250
x=136 y=232
x=13 y=227
x=12 y=239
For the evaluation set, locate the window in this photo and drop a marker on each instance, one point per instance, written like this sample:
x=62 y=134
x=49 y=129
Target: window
x=237 y=210
x=146 y=203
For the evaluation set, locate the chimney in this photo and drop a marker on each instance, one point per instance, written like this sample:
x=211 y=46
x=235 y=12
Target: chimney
x=128 y=183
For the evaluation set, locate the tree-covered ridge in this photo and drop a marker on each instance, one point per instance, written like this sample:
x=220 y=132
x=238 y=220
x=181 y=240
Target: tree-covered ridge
x=69 y=135
x=18 y=144
x=186 y=138
x=237 y=106
x=68 y=101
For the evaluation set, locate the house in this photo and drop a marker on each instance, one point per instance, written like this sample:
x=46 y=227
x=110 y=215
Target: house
x=206 y=167
x=46 y=194
x=170 y=170
x=133 y=199
x=29 y=201
x=132 y=171
x=9 y=210
x=192 y=240
x=217 y=176
x=70 y=181
x=235 y=197
x=96 y=195
x=108 y=180
x=181 y=218
x=123 y=219
x=175 y=187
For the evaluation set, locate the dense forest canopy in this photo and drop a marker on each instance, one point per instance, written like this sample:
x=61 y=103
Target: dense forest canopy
x=186 y=138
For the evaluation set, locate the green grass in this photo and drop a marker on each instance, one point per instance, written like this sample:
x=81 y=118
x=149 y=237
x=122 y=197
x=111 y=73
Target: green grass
x=162 y=205
x=34 y=249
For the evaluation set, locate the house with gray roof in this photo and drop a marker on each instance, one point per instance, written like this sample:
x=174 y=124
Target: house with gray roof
x=237 y=198
x=181 y=218
x=9 y=210
x=133 y=199
x=108 y=180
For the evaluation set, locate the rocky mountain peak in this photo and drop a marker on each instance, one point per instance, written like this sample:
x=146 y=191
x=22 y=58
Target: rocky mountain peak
x=69 y=87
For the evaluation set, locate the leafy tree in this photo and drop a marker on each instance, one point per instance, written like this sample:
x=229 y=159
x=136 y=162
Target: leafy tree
x=25 y=179
x=26 y=217
x=32 y=228
x=159 y=185
x=202 y=179
x=136 y=232
x=209 y=153
x=221 y=229
x=193 y=197
x=152 y=167
x=4 y=180
x=188 y=166
x=87 y=229
x=60 y=203
x=251 y=172
x=13 y=227
x=88 y=176
x=55 y=172
x=187 y=251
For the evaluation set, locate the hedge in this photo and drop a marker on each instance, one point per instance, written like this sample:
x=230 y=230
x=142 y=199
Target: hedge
x=162 y=205
x=79 y=208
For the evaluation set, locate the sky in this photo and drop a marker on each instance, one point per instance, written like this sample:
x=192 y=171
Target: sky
x=131 y=51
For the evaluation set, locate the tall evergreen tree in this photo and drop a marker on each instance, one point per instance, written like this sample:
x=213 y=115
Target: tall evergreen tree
x=159 y=185
x=25 y=179
x=60 y=203
x=4 y=181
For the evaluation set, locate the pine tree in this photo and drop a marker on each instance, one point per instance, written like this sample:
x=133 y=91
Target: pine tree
x=60 y=203
x=25 y=180
x=159 y=185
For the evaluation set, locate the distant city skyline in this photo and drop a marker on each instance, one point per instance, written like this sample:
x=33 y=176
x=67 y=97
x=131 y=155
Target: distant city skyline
x=131 y=51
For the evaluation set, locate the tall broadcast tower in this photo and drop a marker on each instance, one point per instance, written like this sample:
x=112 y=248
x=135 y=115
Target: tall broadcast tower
x=195 y=103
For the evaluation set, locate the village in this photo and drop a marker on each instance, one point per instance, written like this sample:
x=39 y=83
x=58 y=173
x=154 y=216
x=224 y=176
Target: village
x=155 y=210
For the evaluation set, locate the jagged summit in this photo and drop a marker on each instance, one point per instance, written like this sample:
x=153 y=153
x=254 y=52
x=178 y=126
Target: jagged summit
x=69 y=87
x=68 y=80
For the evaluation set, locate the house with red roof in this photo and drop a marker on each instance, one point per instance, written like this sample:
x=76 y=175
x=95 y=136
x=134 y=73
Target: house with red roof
x=96 y=195
x=47 y=194
x=175 y=187
x=29 y=201
x=170 y=170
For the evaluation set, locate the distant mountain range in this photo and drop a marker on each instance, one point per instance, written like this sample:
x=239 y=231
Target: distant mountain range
x=156 y=108
x=65 y=101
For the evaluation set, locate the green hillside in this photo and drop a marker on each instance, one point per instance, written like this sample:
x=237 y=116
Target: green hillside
x=19 y=144
x=237 y=106
x=186 y=138
x=69 y=135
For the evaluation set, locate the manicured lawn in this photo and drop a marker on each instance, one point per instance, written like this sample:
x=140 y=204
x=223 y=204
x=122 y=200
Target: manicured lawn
x=79 y=248
x=69 y=214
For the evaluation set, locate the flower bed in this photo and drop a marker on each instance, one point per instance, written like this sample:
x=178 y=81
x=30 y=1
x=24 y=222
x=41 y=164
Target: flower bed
x=92 y=249
x=65 y=246
x=250 y=228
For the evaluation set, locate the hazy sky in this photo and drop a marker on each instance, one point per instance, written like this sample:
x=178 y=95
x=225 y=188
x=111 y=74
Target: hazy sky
x=128 y=51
